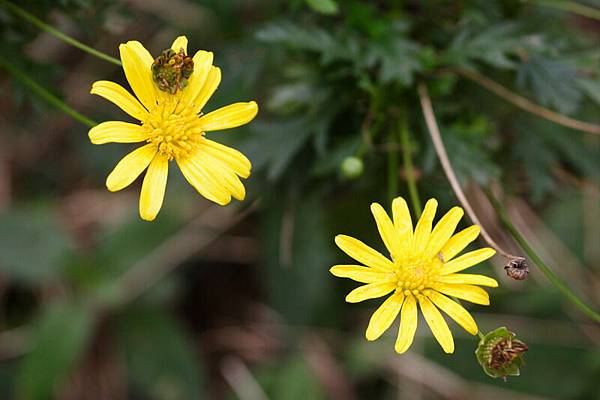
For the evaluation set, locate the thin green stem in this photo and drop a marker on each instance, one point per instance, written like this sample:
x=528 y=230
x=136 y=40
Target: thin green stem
x=552 y=277
x=392 y=168
x=55 y=32
x=572 y=7
x=45 y=94
x=408 y=166
x=481 y=335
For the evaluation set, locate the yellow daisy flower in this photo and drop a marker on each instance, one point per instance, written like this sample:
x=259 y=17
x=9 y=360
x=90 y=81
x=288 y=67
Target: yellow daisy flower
x=173 y=126
x=423 y=269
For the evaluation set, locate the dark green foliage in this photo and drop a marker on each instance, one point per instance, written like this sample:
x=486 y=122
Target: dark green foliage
x=333 y=80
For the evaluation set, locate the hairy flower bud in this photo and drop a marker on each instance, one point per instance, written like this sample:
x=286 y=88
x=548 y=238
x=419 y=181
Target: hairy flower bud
x=500 y=354
x=171 y=70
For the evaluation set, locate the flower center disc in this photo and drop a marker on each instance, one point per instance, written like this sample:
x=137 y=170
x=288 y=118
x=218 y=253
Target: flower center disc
x=414 y=275
x=176 y=133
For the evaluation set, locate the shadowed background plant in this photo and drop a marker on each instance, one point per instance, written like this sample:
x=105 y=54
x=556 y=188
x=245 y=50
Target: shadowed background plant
x=238 y=302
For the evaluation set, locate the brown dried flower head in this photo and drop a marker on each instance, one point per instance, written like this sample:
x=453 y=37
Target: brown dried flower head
x=517 y=268
x=500 y=353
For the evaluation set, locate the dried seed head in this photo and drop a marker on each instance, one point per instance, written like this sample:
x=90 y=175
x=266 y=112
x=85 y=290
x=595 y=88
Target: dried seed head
x=517 y=268
x=171 y=70
x=500 y=353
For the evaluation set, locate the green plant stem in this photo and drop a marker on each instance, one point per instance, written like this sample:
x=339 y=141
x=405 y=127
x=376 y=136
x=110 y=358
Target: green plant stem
x=572 y=7
x=481 y=335
x=55 y=32
x=552 y=277
x=408 y=166
x=45 y=94
x=392 y=169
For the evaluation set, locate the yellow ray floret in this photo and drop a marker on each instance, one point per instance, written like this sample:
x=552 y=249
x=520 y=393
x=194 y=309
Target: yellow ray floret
x=173 y=128
x=421 y=272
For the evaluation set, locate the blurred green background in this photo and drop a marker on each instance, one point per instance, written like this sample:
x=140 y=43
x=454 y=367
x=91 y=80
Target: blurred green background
x=237 y=302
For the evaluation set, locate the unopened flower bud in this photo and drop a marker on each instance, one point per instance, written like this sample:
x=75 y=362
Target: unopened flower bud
x=352 y=167
x=500 y=353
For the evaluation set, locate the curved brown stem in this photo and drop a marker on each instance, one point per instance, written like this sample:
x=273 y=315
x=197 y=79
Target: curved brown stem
x=440 y=149
x=527 y=104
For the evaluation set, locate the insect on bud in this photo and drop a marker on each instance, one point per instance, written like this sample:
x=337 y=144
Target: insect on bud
x=517 y=268
x=500 y=354
x=171 y=70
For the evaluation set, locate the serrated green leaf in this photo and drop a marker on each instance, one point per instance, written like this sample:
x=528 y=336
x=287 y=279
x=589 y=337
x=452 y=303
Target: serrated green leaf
x=33 y=245
x=299 y=254
x=62 y=332
x=160 y=359
x=292 y=379
x=493 y=45
x=327 y=7
x=553 y=82
x=295 y=36
x=591 y=88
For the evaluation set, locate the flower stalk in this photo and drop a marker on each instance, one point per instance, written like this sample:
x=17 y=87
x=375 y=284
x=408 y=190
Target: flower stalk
x=392 y=169
x=15 y=9
x=552 y=277
x=409 y=169
x=45 y=94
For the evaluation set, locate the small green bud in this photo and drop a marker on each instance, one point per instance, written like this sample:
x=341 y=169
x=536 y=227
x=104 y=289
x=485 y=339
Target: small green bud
x=352 y=167
x=500 y=354
x=171 y=70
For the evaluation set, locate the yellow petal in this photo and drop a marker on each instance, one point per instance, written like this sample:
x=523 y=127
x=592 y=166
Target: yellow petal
x=198 y=176
x=137 y=64
x=402 y=221
x=229 y=116
x=117 y=94
x=117 y=132
x=408 y=325
x=211 y=83
x=467 y=260
x=370 y=291
x=384 y=316
x=459 y=242
x=130 y=167
x=202 y=64
x=180 y=43
x=142 y=53
x=471 y=293
x=443 y=231
x=223 y=174
x=469 y=279
x=423 y=228
x=363 y=253
x=358 y=273
x=387 y=231
x=454 y=311
x=153 y=187
x=437 y=324
x=233 y=158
